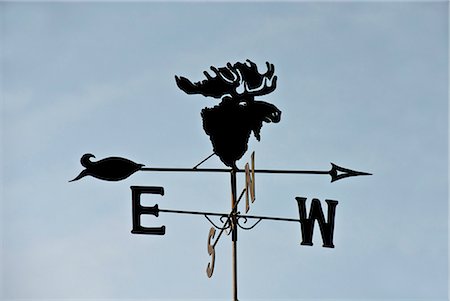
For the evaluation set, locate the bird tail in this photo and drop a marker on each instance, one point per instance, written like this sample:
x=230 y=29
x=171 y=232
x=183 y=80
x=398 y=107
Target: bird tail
x=82 y=174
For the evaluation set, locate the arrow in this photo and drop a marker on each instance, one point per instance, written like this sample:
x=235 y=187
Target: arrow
x=116 y=169
x=336 y=172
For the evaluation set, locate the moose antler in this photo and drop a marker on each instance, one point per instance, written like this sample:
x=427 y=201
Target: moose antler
x=228 y=79
x=255 y=83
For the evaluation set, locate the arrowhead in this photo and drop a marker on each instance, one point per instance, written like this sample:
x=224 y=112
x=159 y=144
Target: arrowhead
x=338 y=173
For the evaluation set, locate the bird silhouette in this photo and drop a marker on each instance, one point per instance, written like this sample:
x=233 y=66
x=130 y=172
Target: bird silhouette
x=108 y=169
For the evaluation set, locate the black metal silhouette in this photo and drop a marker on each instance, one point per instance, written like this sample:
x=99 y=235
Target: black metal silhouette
x=230 y=123
x=229 y=126
x=108 y=169
x=116 y=169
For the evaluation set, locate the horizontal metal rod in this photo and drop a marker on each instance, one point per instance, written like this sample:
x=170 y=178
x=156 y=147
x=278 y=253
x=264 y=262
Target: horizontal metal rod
x=192 y=212
x=269 y=171
x=272 y=218
x=226 y=215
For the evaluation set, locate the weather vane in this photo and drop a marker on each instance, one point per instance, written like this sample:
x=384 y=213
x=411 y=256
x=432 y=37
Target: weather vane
x=229 y=126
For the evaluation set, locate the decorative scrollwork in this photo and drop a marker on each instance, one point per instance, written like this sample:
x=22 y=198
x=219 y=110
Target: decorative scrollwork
x=245 y=221
x=227 y=222
x=226 y=226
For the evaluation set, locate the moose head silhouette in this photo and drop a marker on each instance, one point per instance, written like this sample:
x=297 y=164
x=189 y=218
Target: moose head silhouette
x=230 y=123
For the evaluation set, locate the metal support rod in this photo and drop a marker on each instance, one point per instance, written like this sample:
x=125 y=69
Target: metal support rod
x=234 y=230
x=272 y=218
x=203 y=161
x=192 y=212
x=229 y=218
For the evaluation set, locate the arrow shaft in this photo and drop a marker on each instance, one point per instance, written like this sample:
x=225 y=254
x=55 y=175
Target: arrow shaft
x=266 y=171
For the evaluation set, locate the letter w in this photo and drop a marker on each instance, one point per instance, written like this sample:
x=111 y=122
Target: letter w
x=316 y=213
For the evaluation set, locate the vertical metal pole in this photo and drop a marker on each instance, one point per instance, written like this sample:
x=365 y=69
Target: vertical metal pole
x=234 y=232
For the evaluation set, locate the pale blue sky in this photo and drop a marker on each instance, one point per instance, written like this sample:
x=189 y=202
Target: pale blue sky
x=363 y=85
